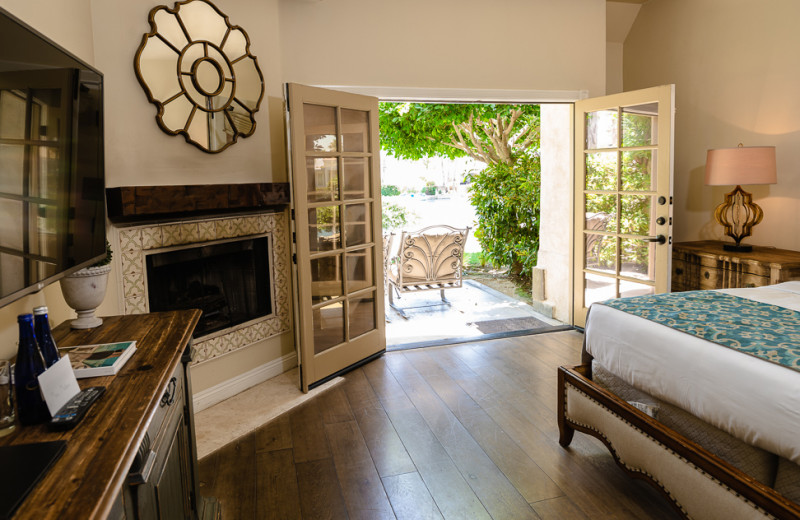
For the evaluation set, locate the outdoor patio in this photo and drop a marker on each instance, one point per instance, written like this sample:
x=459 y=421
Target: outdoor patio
x=475 y=311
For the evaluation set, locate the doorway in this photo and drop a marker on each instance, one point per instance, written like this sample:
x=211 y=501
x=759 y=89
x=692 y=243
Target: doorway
x=464 y=182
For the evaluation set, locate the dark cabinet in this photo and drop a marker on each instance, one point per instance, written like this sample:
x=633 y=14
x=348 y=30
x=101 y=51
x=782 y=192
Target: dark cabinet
x=133 y=456
x=160 y=481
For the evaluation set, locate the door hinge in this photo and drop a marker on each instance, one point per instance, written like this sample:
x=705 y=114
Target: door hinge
x=294 y=258
x=292 y=213
x=670 y=200
x=294 y=237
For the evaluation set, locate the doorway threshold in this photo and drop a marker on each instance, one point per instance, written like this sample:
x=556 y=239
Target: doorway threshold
x=474 y=339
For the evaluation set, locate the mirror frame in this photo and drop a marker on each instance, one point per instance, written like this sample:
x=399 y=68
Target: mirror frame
x=242 y=130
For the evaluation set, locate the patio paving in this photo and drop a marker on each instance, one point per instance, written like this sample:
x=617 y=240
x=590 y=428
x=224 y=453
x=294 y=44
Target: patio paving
x=476 y=310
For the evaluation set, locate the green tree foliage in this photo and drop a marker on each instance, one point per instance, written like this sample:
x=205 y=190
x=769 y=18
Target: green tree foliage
x=489 y=133
x=506 y=193
x=506 y=200
x=395 y=216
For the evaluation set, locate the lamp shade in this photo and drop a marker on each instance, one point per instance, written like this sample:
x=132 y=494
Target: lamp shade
x=741 y=165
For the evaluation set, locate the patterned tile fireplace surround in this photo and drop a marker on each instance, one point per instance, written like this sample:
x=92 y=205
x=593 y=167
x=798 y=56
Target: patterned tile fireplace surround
x=134 y=243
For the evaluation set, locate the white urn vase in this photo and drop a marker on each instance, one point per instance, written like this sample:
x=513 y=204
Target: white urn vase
x=84 y=291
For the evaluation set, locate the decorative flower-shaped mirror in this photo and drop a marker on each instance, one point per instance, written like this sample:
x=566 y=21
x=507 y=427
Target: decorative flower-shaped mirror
x=197 y=69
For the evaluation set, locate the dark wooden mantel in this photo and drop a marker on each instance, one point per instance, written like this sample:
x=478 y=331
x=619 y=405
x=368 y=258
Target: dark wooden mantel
x=148 y=203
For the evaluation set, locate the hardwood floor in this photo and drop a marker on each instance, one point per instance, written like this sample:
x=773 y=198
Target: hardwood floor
x=465 y=432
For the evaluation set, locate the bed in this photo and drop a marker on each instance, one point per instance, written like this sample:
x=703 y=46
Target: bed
x=697 y=393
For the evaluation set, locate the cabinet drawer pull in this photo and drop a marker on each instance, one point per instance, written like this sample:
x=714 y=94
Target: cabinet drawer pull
x=140 y=477
x=143 y=463
x=169 y=396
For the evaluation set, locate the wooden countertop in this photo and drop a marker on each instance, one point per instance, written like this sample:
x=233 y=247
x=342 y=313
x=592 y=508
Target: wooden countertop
x=85 y=481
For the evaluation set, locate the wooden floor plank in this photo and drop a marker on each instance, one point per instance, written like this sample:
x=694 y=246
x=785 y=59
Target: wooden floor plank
x=387 y=450
x=532 y=483
x=449 y=432
x=453 y=496
x=595 y=490
x=320 y=494
x=275 y=435
x=558 y=509
x=410 y=498
x=235 y=478
x=334 y=407
x=308 y=435
x=362 y=488
x=277 y=495
x=497 y=494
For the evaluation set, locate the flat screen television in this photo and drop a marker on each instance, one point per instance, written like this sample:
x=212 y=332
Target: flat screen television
x=52 y=182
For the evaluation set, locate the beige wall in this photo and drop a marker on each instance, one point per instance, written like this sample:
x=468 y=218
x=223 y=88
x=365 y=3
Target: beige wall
x=555 y=228
x=736 y=67
x=453 y=44
x=66 y=22
x=137 y=151
x=504 y=44
x=614 y=53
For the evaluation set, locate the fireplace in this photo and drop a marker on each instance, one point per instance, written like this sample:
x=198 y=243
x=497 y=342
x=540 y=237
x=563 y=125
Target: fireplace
x=228 y=281
x=236 y=313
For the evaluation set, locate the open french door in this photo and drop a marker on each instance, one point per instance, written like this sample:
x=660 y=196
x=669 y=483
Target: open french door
x=335 y=177
x=623 y=196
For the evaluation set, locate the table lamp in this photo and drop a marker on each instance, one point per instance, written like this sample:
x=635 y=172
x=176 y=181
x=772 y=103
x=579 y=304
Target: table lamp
x=737 y=166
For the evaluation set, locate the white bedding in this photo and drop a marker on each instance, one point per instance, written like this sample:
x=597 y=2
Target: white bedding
x=753 y=400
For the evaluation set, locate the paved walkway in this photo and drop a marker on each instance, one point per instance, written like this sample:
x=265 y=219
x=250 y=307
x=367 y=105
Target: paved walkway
x=471 y=307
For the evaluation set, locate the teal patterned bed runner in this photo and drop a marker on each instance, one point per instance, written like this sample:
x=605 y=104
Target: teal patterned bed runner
x=766 y=331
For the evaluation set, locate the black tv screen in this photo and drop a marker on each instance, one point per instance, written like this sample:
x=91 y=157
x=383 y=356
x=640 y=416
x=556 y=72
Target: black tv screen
x=52 y=210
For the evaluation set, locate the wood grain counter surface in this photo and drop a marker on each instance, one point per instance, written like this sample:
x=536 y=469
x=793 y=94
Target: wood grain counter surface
x=88 y=476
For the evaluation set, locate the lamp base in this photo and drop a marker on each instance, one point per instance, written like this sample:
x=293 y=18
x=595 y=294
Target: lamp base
x=738 y=249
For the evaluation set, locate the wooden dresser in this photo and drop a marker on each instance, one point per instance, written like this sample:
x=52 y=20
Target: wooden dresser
x=133 y=455
x=706 y=265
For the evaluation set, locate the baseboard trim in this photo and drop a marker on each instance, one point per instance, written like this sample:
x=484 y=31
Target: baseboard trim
x=218 y=393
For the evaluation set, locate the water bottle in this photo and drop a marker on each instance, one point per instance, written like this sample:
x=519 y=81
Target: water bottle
x=31 y=408
x=47 y=345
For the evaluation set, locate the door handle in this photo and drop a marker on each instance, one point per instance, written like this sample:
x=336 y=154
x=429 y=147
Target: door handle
x=661 y=239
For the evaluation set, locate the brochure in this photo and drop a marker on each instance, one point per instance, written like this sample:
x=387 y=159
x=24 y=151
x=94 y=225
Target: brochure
x=100 y=360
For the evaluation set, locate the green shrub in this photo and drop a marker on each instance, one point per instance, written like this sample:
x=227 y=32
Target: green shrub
x=506 y=201
x=389 y=190
x=428 y=189
x=478 y=258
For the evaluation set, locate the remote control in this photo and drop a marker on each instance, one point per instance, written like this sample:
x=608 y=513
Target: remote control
x=71 y=413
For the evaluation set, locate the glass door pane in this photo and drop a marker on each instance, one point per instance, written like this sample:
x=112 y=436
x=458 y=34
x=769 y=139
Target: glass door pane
x=335 y=194
x=622 y=196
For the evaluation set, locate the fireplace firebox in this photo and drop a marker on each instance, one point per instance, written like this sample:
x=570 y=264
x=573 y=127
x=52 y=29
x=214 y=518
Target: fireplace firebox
x=228 y=281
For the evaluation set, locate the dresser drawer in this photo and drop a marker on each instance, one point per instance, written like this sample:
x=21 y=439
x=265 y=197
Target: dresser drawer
x=710 y=278
x=707 y=265
x=679 y=275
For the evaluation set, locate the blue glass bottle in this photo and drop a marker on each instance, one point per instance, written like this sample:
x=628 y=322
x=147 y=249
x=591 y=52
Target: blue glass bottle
x=31 y=408
x=47 y=345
